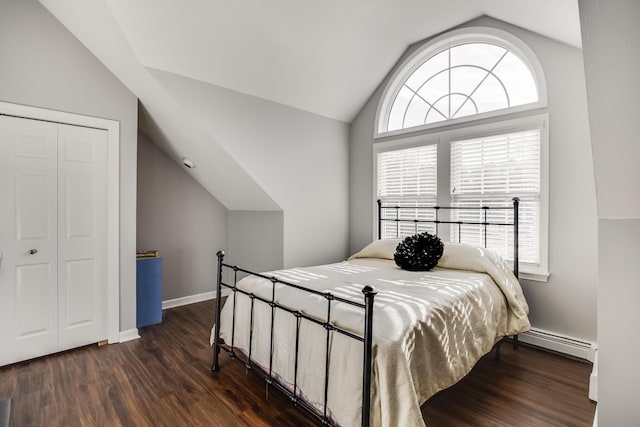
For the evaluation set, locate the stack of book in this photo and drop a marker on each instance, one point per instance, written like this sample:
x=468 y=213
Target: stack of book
x=147 y=254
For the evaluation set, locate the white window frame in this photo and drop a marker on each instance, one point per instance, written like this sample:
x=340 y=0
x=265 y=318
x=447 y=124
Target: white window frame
x=468 y=35
x=445 y=137
x=396 y=147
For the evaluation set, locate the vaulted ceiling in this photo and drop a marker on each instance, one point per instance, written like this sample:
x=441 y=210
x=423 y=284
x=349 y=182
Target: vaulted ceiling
x=325 y=57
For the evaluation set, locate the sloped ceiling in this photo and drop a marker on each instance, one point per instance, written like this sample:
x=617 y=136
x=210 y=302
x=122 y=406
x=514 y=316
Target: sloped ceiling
x=322 y=57
x=325 y=57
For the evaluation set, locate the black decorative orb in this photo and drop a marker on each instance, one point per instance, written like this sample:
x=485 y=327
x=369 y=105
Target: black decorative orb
x=419 y=252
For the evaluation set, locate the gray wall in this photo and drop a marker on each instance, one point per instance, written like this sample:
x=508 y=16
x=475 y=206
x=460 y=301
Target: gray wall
x=567 y=303
x=611 y=42
x=43 y=65
x=255 y=239
x=180 y=219
x=299 y=158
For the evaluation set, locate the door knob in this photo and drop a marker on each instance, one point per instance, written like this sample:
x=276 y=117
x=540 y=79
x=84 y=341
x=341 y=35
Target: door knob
x=33 y=251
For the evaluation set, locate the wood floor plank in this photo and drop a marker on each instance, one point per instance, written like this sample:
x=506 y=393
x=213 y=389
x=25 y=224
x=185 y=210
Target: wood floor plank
x=164 y=379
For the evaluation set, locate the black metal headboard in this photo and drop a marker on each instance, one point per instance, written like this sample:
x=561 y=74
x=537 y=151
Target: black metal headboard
x=437 y=221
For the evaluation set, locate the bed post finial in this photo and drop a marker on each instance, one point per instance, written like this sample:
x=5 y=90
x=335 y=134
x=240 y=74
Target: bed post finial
x=216 y=338
x=369 y=295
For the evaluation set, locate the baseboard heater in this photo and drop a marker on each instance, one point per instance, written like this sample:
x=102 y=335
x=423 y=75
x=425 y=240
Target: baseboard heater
x=562 y=344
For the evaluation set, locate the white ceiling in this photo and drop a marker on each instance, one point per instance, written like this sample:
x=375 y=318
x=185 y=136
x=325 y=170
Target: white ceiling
x=326 y=57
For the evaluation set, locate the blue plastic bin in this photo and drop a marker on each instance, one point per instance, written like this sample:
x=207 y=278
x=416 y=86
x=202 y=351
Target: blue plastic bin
x=148 y=291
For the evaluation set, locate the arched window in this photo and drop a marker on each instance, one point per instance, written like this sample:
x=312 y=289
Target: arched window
x=460 y=77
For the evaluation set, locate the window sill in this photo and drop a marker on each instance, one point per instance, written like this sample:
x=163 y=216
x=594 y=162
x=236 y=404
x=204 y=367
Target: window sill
x=534 y=276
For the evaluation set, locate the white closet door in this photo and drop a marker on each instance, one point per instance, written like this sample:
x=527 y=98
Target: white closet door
x=28 y=239
x=82 y=235
x=53 y=237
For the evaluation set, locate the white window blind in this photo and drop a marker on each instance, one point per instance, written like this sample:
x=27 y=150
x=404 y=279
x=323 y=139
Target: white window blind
x=407 y=177
x=491 y=171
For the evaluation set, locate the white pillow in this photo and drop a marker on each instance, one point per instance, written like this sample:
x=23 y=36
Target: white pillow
x=383 y=248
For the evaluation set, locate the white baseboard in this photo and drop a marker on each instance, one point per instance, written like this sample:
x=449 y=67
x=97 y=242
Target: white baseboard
x=593 y=380
x=132 y=334
x=191 y=299
x=593 y=386
x=129 y=335
x=562 y=344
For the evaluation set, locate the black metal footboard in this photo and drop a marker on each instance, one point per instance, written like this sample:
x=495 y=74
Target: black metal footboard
x=267 y=373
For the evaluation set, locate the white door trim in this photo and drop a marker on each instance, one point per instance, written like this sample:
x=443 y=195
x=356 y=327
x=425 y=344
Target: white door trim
x=113 y=195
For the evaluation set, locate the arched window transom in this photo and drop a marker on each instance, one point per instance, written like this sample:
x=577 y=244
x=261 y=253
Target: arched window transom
x=465 y=78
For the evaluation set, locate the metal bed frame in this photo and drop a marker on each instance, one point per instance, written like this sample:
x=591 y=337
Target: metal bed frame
x=484 y=223
x=367 y=306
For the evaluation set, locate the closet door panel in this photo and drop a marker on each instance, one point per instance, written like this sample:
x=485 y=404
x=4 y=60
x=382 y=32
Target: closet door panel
x=82 y=228
x=34 y=300
x=80 y=295
x=28 y=239
x=80 y=208
x=32 y=213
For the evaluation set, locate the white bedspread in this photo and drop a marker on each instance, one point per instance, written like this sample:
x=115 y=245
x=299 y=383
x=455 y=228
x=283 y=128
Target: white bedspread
x=430 y=328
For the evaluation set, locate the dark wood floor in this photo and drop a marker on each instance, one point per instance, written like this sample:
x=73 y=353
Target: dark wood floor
x=164 y=379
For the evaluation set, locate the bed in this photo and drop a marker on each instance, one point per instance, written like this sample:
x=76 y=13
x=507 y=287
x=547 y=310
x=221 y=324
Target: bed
x=363 y=342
